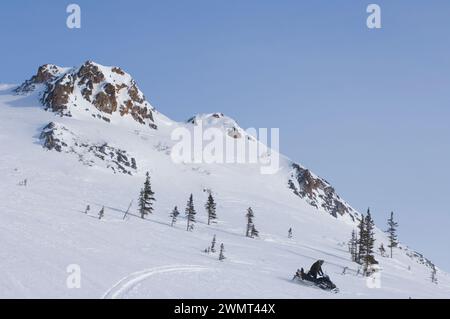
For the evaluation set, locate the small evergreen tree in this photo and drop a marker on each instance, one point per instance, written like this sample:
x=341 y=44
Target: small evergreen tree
x=222 y=250
x=101 y=213
x=190 y=213
x=392 y=233
x=250 y=215
x=382 y=250
x=361 y=240
x=434 y=275
x=254 y=233
x=213 y=244
x=88 y=208
x=290 y=233
x=352 y=246
x=369 y=242
x=211 y=209
x=146 y=198
x=174 y=214
x=141 y=203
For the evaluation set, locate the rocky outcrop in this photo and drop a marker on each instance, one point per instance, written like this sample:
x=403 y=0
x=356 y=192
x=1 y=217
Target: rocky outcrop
x=102 y=91
x=57 y=95
x=218 y=120
x=51 y=140
x=418 y=257
x=45 y=73
x=57 y=137
x=106 y=101
x=318 y=193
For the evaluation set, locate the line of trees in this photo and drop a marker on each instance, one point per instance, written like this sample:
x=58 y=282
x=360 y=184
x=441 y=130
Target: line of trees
x=362 y=241
x=147 y=199
x=212 y=249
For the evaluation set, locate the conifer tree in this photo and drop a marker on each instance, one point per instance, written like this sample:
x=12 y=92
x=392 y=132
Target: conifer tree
x=369 y=242
x=101 y=213
x=352 y=246
x=141 y=203
x=290 y=233
x=222 y=250
x=146 y=198
x=254 y=233
x=392 y=233
x=88 y=208
x=213 y=244
x=190 y=213
x=361 y=240
x=211 y=209
x=434 y=275
x=174 y=214
x=250 y=215
x=382 y=250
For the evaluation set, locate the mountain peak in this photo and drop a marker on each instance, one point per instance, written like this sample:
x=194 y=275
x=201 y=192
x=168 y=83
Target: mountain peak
x=219 y=121
x=103 y=92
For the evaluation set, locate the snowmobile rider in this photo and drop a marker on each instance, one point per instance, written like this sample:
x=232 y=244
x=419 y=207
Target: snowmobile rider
x=316 y=269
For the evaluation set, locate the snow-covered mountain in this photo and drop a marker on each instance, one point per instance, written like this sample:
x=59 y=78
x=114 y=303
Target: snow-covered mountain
x=87 y=136
x=106 y=93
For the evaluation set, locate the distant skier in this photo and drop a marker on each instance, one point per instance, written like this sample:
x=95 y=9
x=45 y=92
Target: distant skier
x=316 y=269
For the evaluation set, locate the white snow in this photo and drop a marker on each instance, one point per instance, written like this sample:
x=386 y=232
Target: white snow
x=43 y=228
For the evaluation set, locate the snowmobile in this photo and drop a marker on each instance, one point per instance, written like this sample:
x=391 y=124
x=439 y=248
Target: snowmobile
x=324 y=282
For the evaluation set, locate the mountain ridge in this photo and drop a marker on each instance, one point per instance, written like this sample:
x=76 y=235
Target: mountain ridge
x=99 y=89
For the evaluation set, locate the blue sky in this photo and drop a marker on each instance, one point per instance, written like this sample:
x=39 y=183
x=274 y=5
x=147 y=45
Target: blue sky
x=368 y=110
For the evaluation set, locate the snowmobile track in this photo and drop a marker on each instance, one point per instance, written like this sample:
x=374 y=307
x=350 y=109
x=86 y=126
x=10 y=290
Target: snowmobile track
x=128 y=282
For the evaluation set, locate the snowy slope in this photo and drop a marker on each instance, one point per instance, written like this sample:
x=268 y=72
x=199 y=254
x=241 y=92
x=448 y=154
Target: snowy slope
x=43 y=228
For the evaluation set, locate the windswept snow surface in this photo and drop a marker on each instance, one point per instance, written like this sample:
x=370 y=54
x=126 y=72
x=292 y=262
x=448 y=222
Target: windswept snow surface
x=43 y=229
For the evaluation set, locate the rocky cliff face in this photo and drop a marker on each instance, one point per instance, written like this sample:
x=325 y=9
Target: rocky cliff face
x=318 y=192
x=59 y=138
x=93 y=88
x=45 y=74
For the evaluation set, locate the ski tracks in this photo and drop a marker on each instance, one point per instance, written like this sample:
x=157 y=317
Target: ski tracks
x=128 y=282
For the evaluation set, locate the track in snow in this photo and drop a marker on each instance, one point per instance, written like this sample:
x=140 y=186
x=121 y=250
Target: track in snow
x=130 y=281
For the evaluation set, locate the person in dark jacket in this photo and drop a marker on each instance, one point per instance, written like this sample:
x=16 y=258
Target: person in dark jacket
x=300 y=274
x=316 y=269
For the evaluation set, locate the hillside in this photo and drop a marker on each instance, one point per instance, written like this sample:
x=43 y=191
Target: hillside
x=87 y=136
